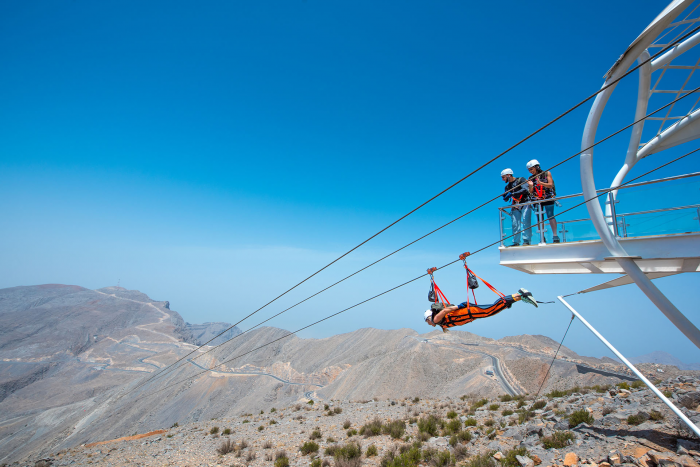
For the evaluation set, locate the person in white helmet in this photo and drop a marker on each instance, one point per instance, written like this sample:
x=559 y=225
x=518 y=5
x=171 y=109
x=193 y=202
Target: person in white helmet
x=521 y=217
x=541 y=187
x=447 y=316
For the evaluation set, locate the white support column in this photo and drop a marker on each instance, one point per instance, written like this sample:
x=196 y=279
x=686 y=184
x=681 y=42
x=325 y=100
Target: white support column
x=629 y=365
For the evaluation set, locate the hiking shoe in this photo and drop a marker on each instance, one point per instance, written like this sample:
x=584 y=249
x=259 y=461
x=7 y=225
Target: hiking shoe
x=555 y=239
x=527 y=297
x=527 y=243
x=512 y=244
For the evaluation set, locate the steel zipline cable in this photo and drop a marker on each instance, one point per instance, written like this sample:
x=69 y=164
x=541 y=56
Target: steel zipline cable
x=571 y=109
x=603 y=192
x=175 y=364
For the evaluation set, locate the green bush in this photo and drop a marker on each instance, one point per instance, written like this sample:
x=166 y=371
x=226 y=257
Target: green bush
x=282 y=460
x=351 y=432
x=214 y=430
x=479 y=403
x=227 y=431
x=656 y=415
x=637 y=384
x=316 y=434
x=637 y=419
x=623 y=385
x=325 y=407
x=521 y=403
x=373 y=428
x=539 y=405
x=395 y=429
x=580 y=416
x=494 y=407
x=452 y=427
x=316 y=462
x=246 y=421
x=481 y=460
x=261 y=428
x=308 y=447
x=372 y=449
x=273 y=410
x=464 y=436
x=558 y=440
x=489 y=422
x=507 y=412
x=451 y=414
x=556 y=393
x=337 y=410
x=509 y=459
x=470 y=422
x=506 y=398
x=311 y=402
x=524 y=415
x=408 y=458
x=667 y=393
x=443 y=459
x=346 y=424
x=428 y=425
x=347 y=452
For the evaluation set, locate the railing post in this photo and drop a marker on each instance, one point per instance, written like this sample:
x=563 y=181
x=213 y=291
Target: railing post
x=613 y=213
x=500 y=224
x=563 y=231
x=540 y=223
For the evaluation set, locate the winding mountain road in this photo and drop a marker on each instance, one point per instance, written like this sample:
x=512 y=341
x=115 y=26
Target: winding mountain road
x=495 y=363
x=254 y=373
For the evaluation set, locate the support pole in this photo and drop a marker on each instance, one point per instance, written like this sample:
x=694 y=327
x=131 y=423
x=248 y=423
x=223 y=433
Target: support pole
x=658 y=393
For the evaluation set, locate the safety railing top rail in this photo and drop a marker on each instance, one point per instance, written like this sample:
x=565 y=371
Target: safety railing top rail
x=604 y=190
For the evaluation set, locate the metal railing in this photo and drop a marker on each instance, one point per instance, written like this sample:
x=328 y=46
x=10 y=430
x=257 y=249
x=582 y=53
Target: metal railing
x=620 y=225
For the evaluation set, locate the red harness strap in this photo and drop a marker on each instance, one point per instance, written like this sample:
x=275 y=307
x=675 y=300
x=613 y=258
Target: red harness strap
x=438 y=292
x=463 y=257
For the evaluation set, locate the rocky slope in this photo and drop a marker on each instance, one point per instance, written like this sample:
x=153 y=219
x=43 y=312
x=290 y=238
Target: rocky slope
x=595 y=427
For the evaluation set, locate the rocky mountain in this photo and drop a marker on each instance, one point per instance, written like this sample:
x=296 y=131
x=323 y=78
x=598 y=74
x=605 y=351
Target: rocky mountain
x=664 y=358
x=595 y=427
x=80 y=366
x=205 y=332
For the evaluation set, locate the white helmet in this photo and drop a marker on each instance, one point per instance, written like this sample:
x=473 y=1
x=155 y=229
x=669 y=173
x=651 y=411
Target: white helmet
x=505 y=172
x=532 y=163
x=427 y=314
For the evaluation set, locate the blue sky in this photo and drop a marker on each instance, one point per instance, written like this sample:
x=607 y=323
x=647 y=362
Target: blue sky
x=215 y=154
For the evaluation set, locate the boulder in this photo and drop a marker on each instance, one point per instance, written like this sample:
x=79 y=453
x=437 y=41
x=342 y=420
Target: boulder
x=536 y=459
x=525 y=461
x=570 y=459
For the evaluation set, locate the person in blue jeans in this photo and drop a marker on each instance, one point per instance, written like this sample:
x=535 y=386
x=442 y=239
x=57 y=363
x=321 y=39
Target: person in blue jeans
x=521 y=217
x=541 y=187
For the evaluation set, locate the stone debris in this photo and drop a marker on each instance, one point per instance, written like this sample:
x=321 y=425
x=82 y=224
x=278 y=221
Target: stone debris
x=618 y=427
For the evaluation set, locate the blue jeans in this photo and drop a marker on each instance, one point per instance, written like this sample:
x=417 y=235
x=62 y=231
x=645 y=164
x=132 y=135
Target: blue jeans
x=522 y=221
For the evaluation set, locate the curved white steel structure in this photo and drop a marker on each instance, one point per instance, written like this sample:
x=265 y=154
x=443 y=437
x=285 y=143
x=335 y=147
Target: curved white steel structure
x=686 y=128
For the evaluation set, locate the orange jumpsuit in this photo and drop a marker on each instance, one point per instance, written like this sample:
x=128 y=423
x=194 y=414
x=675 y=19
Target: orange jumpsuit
x=466 y=313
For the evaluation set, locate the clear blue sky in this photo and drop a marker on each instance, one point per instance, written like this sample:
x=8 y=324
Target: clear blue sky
x=214 y=154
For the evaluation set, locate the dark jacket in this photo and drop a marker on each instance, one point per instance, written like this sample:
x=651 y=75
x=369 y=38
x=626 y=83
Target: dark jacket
x=520 y=194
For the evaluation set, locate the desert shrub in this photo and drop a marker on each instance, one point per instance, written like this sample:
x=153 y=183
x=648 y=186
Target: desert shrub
x=348 y=455
x=637 y=384
x=273 y=410
x=493 y=407
x=227 y=431
x=262 y=412
x=351 y=432
x=667 y=393
x=423 y=436
x=464 y=436
x=267 y=444
x=506 y=398
x=524 y=415
x=251 y=456
x=623 y=385
x=452 y=427
x=346 y=424
x=308 y=447
x=453 y=440
x=443 y=459
x=175 y=425
x=470 y=422
x=245 y=421
x=638 y=418
x=326 y=407
x=451 y=414
x=557 y=393
x=656 y=415
x=608 y=410
x=395 y=429
x=337 y=410
x=416 y=400
x=580 y=416
x=311 y=402
x=316 y=434
x=489 y=422
x=330 y=439
x=408 y=458
x=372 y=450
x=261 y=428
x=273 y=422
x=281 y=459
x=479 y=403
x=428 y=425
x=316 y=462
x=460 y=452
x=539 y=405
x=325 y=463
x=509 y=459
x=214 y=430
x=507 y=412
x=521 y=403
x=558 y=440
x=373 y=428
x=243 y=444
x=226 y=447
x=268 y=457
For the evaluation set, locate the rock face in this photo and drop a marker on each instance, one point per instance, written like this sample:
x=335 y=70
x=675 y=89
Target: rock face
x=256 y=439
x=205 y=332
